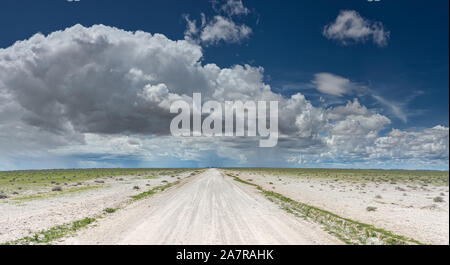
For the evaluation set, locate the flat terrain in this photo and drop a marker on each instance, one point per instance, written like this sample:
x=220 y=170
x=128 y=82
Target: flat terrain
x=409 y=203
x=224 y=206
x=39 y=208
x=208 y=209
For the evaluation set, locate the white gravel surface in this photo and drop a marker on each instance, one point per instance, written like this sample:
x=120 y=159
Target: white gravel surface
x=22 y=218
x=209 y=208
x=404 y=209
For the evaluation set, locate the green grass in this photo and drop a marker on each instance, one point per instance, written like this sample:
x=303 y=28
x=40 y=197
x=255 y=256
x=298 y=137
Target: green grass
x=60 y=231
x=110 y=210
x=347 y=230
x=25 y=180
x=54 y=233
x=160 y=188
x=242 y=181
x=420 y=177
x=54 y=194
x=153 y=191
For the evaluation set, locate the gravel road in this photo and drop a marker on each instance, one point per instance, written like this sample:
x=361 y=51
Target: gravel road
x=209 y=208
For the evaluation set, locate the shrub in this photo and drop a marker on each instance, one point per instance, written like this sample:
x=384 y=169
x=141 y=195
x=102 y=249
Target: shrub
x=110 y=210
x=57 y=188
x=371 y=209
x=438 y=199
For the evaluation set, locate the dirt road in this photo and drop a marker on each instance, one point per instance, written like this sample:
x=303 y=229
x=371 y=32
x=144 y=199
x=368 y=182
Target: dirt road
x=209 y=208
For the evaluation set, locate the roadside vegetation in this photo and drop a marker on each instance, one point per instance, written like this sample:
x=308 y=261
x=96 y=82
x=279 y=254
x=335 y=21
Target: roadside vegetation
x=348 y=231
x=110 y=210
x=30 y=184
x=48 y=236
x=58 y=232
x=53 y=194
x=160 y=188
x=420 y=177
x=154 y=190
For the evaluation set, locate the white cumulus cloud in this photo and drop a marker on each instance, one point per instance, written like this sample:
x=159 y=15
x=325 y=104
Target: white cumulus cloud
x=221 y=28
x=350 y=27
x=332 y=84
x=234 y=7
x=224 y=29
x=104 y=91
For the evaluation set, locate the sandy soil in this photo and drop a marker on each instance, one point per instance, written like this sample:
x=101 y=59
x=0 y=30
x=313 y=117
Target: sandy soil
x=209 y=208
x=404 y=209
x=212 y=208
x=19 y=219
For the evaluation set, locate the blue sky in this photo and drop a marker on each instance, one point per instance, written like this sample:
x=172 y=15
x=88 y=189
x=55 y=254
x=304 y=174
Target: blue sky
x=405 y=80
